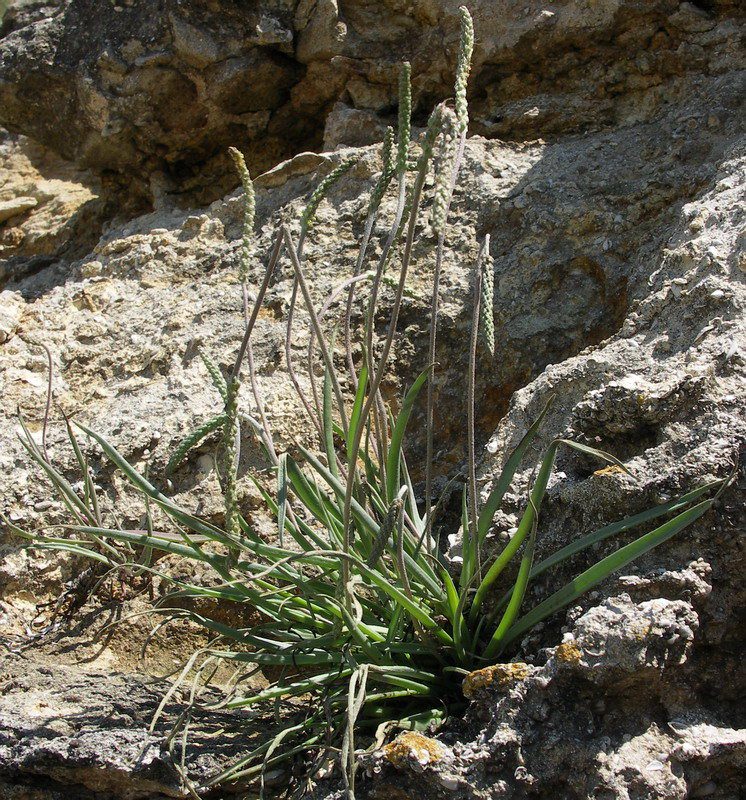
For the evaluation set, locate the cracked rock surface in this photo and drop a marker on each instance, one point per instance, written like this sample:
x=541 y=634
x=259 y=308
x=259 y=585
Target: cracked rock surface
x=608 y=695
x=150 y=93
x=614 y=197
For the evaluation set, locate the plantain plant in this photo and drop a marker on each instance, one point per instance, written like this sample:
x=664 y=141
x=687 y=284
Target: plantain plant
x=366 y=627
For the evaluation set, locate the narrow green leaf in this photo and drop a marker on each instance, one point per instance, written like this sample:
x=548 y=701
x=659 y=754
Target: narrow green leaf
x=291 y=689
x=495 y=497
x=303 y=534
x=605 y=567
x=415 y=610
x=357 y=407
x=328 y=425
x=468 y=553
x=525 y=526
x=69 y=496
x=393 y=459
x=584 y=542
x=282 y=495
x=530 y=515
x=592 y=451
x=91 y=498
x=516 y=599
x=454 y=609
x=140 y=482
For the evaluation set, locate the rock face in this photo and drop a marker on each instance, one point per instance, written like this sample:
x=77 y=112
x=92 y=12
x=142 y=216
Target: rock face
x=48 y=207
x=153 y=91
x=605 y=715
x=615 y=208
x=63 y=728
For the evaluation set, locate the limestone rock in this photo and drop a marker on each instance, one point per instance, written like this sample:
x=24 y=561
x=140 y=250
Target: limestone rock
x=155 y=91
x=16 y=207
x=615 y=208
x=585 y=721
x=68 y=729
x=48 y=207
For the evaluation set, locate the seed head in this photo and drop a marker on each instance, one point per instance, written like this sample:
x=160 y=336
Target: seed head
x=444 y=170
x=466 y=48
x=321 y=192
x=405 y=115
x=386 y=173
x=249 y=212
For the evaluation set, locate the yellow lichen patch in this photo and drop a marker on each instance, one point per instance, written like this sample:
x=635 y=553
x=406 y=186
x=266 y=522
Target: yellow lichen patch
x=500 y=676
x=568 y=653
x=639 y=631
x=612 y=469
x=413 y=746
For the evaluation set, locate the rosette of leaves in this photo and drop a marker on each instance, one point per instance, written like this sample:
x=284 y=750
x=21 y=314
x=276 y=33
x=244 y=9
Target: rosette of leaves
x=366 y=627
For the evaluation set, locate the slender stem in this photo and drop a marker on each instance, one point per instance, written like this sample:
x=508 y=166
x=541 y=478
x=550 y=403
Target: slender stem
x=369 y=223
x=401 y=203
x=255 y=390
x=314 y=417
x=382 y=440
x=50 y=383
x=470 y=409
x=316 y=324
x=257 y=305
x=377 y=375
x=434 y=309
x=429 y=420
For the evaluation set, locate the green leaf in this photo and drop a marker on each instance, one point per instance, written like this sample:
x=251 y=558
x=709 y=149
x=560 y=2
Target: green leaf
x=592 y=451
x=357 y=407
x=143 y=485
x=315 y=501
x=468 y=553
x=291 y=689
x=393 y=459
x=91 y=498
x=495 y=497
x=516 y=599
x=328 y=425
x=530 y=515
x=303 y=534
x=579 y=545
x=454 y=609
x=415 y=610
x=69 y=496
x=605 y=567
x=525 y=526
x=282 y=495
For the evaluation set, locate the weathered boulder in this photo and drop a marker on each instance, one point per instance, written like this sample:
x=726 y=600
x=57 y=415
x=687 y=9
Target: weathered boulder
x=662 y=392
x=604 y=715
x=48 y=207
x=147 y=91
x=89 y=731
